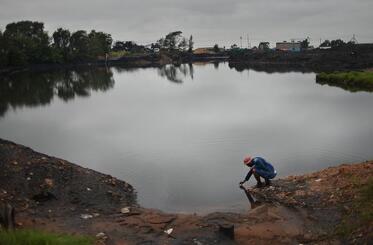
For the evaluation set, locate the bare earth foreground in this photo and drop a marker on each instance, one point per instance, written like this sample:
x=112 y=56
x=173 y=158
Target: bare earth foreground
x=332 y=206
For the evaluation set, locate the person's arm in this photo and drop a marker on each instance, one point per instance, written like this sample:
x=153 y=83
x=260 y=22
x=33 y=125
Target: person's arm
x=247 y=176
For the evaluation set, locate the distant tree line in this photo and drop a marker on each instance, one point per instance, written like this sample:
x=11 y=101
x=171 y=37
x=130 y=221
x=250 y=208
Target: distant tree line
x=26 y=42
x=174 y=41
x=338 y=43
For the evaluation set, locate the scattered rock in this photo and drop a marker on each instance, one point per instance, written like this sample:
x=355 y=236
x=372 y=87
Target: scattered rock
x=86 y=216
x=195 y=241
x=48 y=182
x=125 y=210
x=169 y=231
x=101 y=236
x=300 y=193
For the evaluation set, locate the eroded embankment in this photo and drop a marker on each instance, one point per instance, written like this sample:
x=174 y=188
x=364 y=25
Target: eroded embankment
x=55 y=195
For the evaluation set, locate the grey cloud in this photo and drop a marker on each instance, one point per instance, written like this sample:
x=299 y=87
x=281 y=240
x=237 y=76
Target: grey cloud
x=218 y=21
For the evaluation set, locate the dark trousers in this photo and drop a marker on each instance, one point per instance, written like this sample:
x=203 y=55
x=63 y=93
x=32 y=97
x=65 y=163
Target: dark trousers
x=257 y=177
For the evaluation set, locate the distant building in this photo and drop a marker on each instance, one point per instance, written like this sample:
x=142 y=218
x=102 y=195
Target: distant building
x=263 y=46
x=288 y=46
x=206 y=50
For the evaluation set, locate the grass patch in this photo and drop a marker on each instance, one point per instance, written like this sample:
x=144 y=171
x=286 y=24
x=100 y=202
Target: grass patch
x=117 y=54
x=32 y=237
x=353 y=81
x=362 y=211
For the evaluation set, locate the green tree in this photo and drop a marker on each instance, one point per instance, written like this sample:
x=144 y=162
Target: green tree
x=326 y=43
x=216 y=48
x=99 y=43
x=160 y=43
x=183 y=44
x=119 y=46
x=3 y=53
x=337 y=43
x=171 y=40
x=27 y=42
x=190 y=44
x=234 y=46
x=130 y=46
x=79 y=46
x=61 y=43
x=127 y=46
x=305 y=44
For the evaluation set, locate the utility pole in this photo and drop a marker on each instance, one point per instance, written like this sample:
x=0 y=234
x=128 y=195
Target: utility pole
x=248 y=42
x=241 y=41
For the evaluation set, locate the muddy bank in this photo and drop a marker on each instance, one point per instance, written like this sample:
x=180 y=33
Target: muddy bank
x=55 y=195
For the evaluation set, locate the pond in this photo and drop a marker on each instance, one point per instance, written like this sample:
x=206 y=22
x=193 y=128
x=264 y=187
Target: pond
x=179 y=134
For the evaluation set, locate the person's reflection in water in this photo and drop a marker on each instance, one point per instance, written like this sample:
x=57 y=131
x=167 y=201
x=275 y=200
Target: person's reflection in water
x=253 y=202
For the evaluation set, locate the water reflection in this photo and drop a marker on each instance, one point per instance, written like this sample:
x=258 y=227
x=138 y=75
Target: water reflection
x=38 y=88
x=216 y=65
x=181 y=146
x=269 y=68
x=253 y=203
x=353 y=87
x=286 y=68
x=176 y=73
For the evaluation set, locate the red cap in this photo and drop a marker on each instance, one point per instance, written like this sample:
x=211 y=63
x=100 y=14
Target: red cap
x=247 y=159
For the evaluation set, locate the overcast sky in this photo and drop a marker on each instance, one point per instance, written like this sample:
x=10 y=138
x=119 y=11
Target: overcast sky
x=210 y=21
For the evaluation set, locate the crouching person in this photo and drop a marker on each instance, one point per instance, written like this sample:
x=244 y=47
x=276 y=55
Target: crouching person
x=260 y=168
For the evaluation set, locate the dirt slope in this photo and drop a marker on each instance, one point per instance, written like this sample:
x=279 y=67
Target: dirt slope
x=55 y=195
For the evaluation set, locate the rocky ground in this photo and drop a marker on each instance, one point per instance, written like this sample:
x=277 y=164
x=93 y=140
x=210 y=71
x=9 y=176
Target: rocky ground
x=333 y=206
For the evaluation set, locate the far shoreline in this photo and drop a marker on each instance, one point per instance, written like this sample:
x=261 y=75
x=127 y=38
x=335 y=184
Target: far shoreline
x=355 y=58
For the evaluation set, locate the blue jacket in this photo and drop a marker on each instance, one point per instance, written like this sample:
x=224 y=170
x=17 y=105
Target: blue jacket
x=263 y=168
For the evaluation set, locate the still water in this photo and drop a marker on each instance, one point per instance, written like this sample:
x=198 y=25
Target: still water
x=179 y=134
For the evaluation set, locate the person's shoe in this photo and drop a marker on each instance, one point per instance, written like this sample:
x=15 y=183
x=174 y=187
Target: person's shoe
x=259 y=185
x=268 y=182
